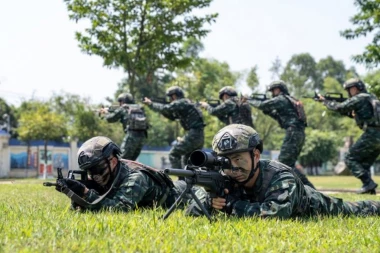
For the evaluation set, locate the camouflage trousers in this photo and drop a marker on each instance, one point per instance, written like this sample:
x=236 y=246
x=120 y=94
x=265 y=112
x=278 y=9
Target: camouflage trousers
x=321 y=204
x=193 y=139
x=132 y=144
x=364 y=152
x=291 y=146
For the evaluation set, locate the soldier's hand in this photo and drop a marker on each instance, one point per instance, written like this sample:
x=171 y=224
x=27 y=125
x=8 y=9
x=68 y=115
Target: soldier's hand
x=321 y=98
x=103 y=110
x=219 y=202
x=147 y=101
x=74 y=185
x=203 y=104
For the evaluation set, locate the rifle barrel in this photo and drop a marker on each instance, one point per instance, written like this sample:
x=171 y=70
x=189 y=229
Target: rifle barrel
x=179 y=172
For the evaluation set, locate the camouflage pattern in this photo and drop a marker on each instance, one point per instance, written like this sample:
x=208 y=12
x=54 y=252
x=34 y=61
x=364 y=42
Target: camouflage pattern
x=191 y=119
x=279 y=193
x=364 y=152
x=236 y=138
x=135 y=188
x=232 y=111
x=133 y=140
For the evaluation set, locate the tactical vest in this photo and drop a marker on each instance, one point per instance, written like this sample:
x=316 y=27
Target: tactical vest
x=242 y=113
x=136 y=118
x=298 y=107
x=367 y=114
x=189 y=115
x=272 y=168
x=156 y=175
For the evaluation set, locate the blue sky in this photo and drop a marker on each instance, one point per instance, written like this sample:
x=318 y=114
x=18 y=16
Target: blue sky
x=39 y=55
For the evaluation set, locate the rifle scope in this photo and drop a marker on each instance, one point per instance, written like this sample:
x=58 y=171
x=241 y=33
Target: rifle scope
x=201 y=158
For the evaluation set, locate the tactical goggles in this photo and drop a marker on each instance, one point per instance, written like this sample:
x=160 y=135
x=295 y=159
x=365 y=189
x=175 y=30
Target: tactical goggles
x=100 y=168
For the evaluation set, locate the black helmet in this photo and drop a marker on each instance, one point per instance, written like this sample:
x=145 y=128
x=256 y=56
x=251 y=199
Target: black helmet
x=95 y=150
x=229 y=90
x=236 y=138
x=354 y=82
x=175 y=90
x=125 y=98
x=279 y=84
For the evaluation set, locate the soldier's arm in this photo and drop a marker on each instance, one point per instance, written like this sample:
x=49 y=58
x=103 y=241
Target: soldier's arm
x=127 y=197
x=115 y=115
x=344 y=108
x=166 y=110
x=222 y=109
x=280 y=199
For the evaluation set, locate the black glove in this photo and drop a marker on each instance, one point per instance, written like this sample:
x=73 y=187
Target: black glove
x=230 y=201
x=74 y=185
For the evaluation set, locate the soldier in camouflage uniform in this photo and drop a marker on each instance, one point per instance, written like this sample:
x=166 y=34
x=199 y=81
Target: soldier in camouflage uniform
x=284 y=109
x=362 y=106
x=233 y=110
x=119 y=185
x=135 y=133
x=191 y=120
x=268 y=188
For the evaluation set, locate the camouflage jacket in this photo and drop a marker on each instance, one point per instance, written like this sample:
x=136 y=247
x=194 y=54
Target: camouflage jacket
x=183 y=109
x=133 y=188
x=121 y=114
x=276 y=193
x=358 y=107
x=280 y=109
x=230 y=112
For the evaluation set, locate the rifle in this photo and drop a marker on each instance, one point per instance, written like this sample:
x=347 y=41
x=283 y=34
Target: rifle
x=257 y=96
x=211 y=102
x=161 y=100
x=71 y=174
x=329 y=96
x=111 y=108
x=202 y=169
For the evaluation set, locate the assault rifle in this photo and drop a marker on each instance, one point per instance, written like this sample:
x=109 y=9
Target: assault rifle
x=329 y=96
x=211 y=102
x=111 y=108
x=257 y=96
x=203 y=169
x=71 y=174
x=161 y=100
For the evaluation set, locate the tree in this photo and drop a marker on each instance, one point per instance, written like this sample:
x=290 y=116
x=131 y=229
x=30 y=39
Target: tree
x=366 y=22
x=252 y=79
x=329 y=67
x=276 y=69
x=41 y=123
x=141 y=36
x=373 y=80
x=301 y=74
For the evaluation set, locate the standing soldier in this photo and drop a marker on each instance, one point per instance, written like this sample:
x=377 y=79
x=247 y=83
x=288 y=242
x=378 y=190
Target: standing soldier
x=289 y=113
x=365 y=108
x=133 y=119
x=191 y=120
x=232 y=110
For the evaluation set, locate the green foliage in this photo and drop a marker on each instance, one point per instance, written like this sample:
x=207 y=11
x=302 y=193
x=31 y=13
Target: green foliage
x=329 y=67
x=300 y=73
x=37 y=219
x=140 y=36
x=366 y=23
x=319 y=147
x=41 y=123
x=373 y=80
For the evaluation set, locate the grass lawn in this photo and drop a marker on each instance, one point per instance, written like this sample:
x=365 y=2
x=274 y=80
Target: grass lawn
x=34 y=218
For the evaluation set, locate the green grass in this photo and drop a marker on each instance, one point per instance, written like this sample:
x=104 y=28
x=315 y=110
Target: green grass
x=34 y=218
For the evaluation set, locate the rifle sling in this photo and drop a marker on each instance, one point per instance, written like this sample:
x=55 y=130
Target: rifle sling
x=80 y=201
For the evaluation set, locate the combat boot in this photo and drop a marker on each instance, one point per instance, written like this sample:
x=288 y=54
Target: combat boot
x=369 y=186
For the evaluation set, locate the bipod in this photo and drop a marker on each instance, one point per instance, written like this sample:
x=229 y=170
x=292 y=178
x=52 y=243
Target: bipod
x=189 y=185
